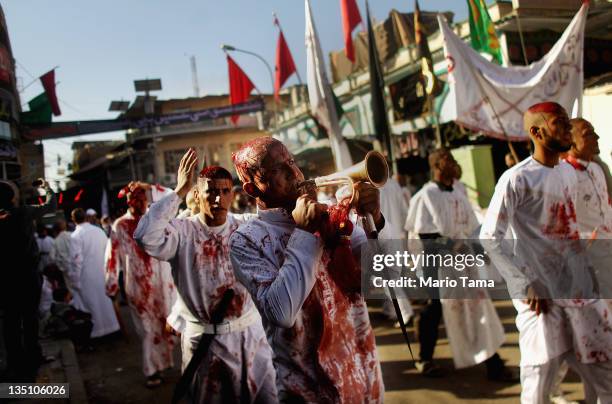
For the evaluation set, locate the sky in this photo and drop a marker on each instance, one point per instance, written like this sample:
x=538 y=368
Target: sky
x=101 y=47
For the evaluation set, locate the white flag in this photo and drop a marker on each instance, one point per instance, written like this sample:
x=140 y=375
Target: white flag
x=104 y=204
x=492 y=99
x=320 y=94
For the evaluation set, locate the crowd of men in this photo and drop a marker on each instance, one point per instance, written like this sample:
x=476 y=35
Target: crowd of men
x=267 y=304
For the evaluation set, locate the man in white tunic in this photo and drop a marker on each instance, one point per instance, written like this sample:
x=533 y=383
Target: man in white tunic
x=148 y=285
x=439 y=211
x=45 y=245
x=87 y=274
x=60 y=255
x=314 y=315
x=593 y=207
x=531 y=233
x=238 y=365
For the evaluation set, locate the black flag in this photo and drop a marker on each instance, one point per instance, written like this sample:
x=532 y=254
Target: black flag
x=377 y=92
x=428 y=85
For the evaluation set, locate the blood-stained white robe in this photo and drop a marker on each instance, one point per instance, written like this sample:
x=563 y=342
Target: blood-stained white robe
x=238 y=365
x=87 y=277
x=530 y=231
x=472 y=325
x=150 y=292
x=324 y=347
x=593 y=205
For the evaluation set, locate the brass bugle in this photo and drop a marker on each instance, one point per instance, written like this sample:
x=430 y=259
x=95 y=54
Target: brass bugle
x=373 y=169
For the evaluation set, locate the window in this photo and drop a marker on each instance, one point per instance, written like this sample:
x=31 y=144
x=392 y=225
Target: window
x=172 y=159
x=5 y=130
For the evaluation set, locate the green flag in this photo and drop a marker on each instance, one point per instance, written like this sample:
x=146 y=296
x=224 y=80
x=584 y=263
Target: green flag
x=482 y=32
x=40 y=111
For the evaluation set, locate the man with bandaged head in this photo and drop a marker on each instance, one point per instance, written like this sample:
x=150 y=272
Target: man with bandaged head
x=304 y=276
x=148 y=284
x=531 y=234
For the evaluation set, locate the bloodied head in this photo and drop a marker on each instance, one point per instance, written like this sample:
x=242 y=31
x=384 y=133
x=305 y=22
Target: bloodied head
x=548 y=126
x=136 y=194
x=214 y=194
x=585 y=140
x=269 y=173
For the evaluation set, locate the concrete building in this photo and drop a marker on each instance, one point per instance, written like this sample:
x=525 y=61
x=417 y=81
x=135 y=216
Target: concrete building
x=21 y=160
x=157 y=150
x=541 y=22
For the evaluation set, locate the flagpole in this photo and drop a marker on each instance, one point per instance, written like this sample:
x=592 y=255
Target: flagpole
x=35 y=80
x=434 y=118
x=520 y=31
x=278 y=24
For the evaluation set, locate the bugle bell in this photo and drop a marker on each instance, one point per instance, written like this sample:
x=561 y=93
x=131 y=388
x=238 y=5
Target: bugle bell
x=373 y=169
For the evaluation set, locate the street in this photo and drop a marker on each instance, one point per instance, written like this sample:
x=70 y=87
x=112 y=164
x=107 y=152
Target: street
x=112 y=373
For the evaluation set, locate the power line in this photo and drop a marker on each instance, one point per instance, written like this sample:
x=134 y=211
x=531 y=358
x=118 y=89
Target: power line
x=25 y=70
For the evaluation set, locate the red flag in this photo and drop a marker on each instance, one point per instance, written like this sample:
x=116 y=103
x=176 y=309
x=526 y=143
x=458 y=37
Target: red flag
x=48 y=82
x=350 y=19
x=240 y=85
x=285 y=66
x=78 y=195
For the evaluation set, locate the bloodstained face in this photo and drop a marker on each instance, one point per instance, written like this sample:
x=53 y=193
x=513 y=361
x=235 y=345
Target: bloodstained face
x=137 y=202
x=555 y=131
x=585 y=139
x=278 y=178
x=214 y=197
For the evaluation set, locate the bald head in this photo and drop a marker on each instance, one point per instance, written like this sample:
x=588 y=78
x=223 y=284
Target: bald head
x=537 y=113
x=547 y=124
x=269 y=173
x=191 y=200
x=585 y=141
x=249 y=159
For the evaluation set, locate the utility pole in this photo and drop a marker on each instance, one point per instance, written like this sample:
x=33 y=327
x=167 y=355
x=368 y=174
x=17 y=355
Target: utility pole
x=194 y=77
x=147 y=86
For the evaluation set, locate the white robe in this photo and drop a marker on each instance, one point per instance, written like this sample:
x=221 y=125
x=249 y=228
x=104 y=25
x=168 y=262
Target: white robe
x=60 y=255
x=324 y=348
x=149 y=289
x=528 y=229
x=87 y=251
x=45 y=245
x=473 y=326
x=394 y=207
x=238 y=366
x=593 y=205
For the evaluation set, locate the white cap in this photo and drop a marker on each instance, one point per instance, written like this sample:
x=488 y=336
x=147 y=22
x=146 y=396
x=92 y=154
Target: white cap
x=90 y=212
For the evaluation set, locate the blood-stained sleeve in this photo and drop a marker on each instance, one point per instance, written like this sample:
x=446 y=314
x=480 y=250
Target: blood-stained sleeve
x=279 y=292
x=500 y=215
x=115 y=263
x=158 y=231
